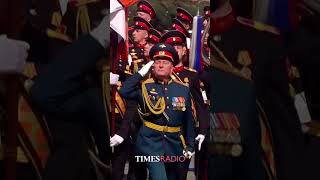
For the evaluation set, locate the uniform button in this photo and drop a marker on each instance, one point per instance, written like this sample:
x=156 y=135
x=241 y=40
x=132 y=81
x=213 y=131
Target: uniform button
x=120 y=65
x=177 y=73
x=165 y=136
x=167 y=97
x=165 y=89
x=120 y=60
x=167 y=107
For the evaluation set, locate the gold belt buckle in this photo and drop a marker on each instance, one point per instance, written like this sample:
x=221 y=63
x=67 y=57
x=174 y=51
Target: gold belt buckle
x=165 y=129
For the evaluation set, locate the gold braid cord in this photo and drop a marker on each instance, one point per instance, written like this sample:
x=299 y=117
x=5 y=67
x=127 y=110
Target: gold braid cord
x=83 y=19
x=83 y=16
x=159 y=107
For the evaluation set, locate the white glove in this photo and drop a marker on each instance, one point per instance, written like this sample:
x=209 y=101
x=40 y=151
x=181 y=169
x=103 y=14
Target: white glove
x=188 y=154
x=13 y=55
x=114 y=78
x=145 y=69
x=116 y=140
x=101 y=32
x=200 y=138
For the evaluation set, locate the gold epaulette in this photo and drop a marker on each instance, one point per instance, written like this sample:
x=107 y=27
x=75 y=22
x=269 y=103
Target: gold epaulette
x=148 y=81
x=258 y=25
x=190 y=69
x=179 y=82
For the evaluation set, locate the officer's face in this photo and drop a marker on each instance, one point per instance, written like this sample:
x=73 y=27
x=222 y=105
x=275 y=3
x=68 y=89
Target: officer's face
x=185 y=25
x=181 y=50
x=162 y=68
x=139 y=35
x=144 y=16
x=147 y=48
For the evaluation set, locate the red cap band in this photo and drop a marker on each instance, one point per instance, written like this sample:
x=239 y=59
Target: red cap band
x=147 y=9
x=174 y=40
x=141 y=24
x=183 y=16
x=164 y=53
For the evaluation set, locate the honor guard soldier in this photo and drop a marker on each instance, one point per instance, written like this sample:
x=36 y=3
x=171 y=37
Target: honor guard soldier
x=248 y=67
x=153 y=38
x=139 y=36
x=177 y=25
x=145 y=11
x=189 y=77
x=165 y=107
x=185 y=17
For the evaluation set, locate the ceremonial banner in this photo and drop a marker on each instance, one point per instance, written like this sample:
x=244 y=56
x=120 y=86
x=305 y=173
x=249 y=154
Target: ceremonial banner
x=118 y=16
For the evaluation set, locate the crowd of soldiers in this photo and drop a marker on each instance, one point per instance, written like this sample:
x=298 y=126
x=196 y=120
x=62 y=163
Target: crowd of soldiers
x=235 y=115
x=241 y=135
x=144 y=35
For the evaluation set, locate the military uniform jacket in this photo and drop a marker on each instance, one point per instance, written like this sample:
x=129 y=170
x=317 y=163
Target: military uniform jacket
x=150 y=141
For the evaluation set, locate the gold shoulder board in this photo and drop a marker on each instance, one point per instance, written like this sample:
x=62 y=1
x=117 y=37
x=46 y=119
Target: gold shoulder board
x=147 y=81
x=179 y=82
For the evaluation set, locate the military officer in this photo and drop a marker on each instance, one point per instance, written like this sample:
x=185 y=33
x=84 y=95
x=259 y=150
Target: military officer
x=248 y=65
x=165 y=106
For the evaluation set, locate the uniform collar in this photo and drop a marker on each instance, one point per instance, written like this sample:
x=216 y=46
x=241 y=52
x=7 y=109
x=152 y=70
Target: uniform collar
x=162 y=82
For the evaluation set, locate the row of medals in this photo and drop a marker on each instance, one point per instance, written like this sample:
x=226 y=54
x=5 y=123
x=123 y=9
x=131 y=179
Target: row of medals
x=178 y=104
x=226 y=140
